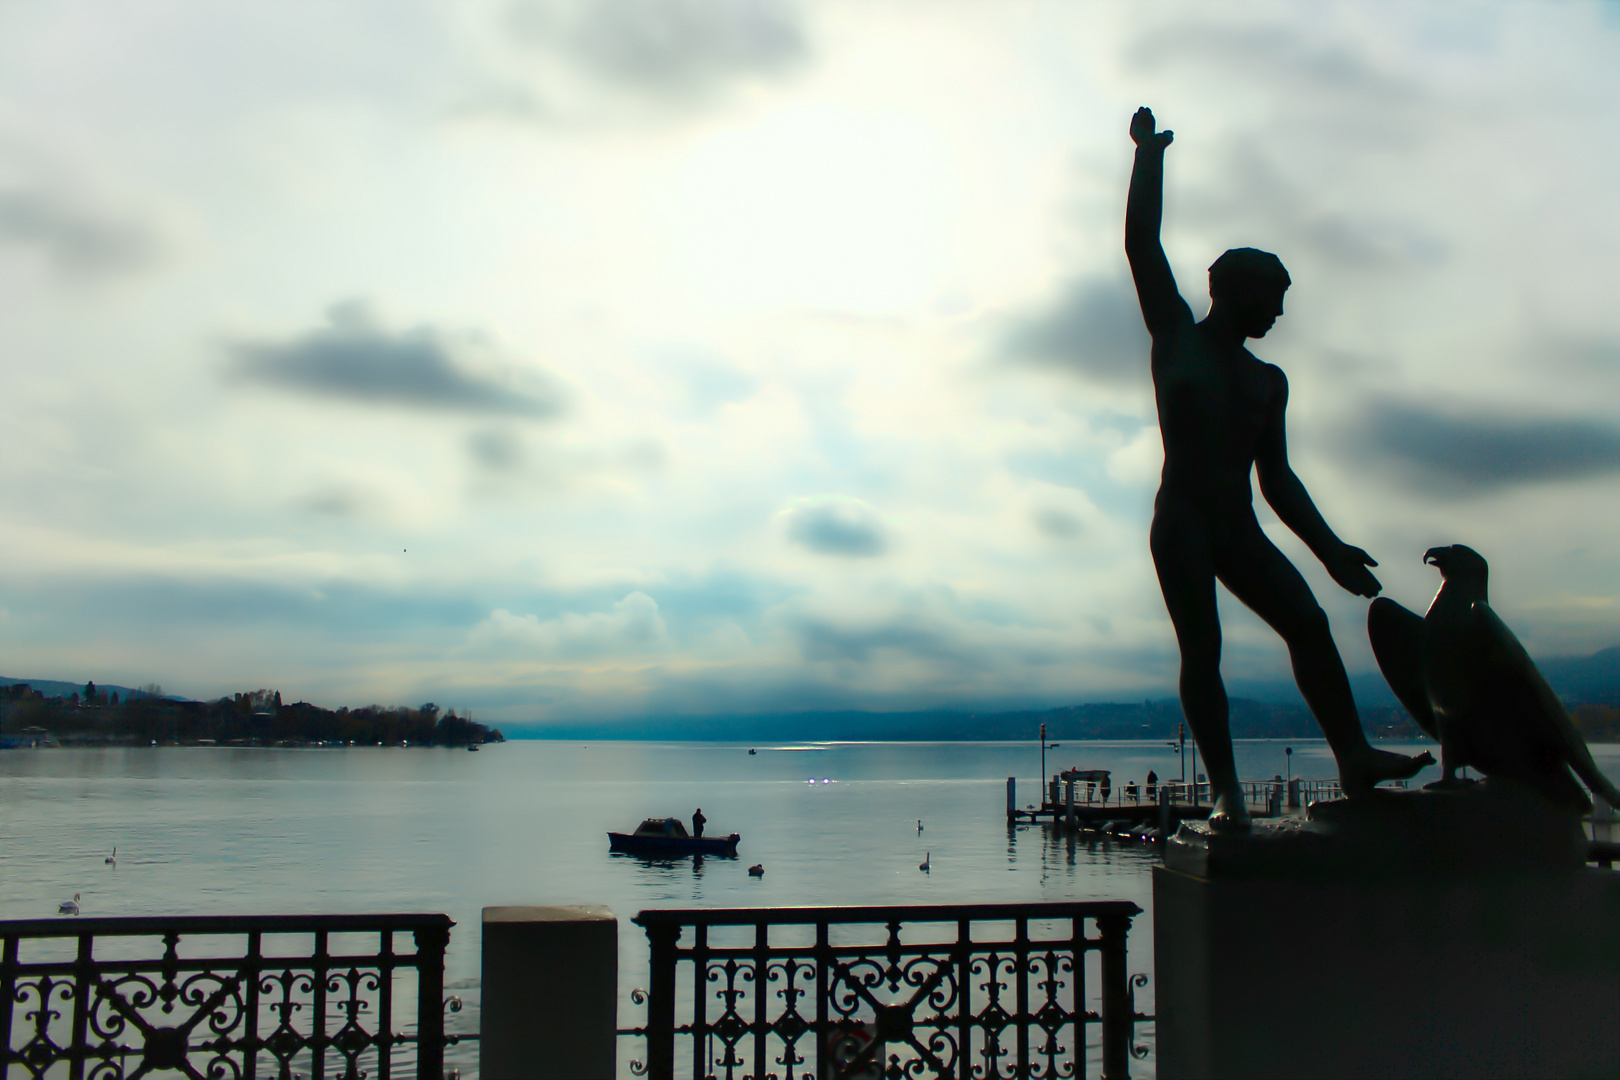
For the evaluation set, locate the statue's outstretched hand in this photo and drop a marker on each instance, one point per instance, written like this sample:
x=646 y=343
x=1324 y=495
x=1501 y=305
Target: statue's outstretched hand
x=1348 y=566
x=1144 y=130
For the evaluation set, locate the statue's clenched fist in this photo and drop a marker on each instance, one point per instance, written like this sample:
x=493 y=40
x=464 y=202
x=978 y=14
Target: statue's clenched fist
x=1144 y=130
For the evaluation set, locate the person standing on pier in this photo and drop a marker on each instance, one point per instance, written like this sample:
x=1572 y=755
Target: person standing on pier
x=1221 y=414
x=698 y=821
x=1152 y=786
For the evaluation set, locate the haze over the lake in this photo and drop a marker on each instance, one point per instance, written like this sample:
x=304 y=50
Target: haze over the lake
x=566 y=360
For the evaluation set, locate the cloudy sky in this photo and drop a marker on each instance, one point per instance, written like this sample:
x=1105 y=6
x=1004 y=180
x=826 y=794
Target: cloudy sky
x=613 y=359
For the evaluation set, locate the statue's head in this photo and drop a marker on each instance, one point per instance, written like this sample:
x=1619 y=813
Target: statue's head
x=1460 y=564
x=1249 y=284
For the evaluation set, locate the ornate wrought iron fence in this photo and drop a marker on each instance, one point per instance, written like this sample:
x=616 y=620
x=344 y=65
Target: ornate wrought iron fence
x=890 y=992
x=132 y=997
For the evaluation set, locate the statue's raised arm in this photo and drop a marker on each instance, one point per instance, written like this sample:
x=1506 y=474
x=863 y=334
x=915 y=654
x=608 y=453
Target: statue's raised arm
x=1162 y=305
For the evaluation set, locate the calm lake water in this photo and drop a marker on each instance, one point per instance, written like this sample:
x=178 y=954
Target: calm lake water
x=268 y=831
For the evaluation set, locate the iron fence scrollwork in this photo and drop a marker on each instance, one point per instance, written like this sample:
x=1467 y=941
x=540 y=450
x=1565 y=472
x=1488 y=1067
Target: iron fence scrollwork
x=130 y=1000
x=885 y=993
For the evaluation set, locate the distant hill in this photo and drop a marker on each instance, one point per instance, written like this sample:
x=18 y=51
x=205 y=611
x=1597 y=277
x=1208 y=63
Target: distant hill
x=1578 y=680
x=56 y=688
x=1136 y=720
x=1266 y=710
x=1585 y=680
x=1259 y=709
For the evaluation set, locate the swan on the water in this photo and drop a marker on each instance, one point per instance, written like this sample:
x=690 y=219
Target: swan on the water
x=112 y=860
x=923 y=866
x=69 y=907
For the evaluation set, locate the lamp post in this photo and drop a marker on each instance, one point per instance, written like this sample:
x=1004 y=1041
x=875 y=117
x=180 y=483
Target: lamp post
x=1195 y=770
x=1043 y=757
x=1181 y=749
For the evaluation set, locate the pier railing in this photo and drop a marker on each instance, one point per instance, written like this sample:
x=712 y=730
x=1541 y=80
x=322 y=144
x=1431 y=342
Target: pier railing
x=1265 y=795
x=829 y=993
x=222 y=996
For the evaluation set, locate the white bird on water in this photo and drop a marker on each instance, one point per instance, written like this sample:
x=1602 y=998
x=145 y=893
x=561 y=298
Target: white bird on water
x=923 y=866
x=112 y=860
x=69 y=907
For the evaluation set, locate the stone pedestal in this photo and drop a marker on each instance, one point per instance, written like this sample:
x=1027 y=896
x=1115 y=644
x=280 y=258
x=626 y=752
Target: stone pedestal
x=550 y=993
x=1409 y=934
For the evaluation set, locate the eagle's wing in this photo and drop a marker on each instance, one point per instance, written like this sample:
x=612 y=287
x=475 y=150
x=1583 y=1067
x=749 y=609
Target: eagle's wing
x=1401 y=645
x=1552 y=722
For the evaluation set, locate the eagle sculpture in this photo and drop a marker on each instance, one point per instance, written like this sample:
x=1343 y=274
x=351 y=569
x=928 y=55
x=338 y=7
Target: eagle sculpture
x=1468 y=682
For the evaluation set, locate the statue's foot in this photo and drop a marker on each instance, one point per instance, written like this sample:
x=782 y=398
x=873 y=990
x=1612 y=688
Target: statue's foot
x=1229 y=814
x=1449 y=783
x=1381 y=765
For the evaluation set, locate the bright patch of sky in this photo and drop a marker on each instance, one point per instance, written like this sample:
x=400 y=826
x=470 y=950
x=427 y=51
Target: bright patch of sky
x=612 y=359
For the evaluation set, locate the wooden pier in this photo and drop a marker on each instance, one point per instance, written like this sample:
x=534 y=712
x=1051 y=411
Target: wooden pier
x=1076 y=802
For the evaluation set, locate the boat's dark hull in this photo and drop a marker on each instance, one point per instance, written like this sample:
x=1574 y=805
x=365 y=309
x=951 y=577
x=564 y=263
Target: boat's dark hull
x=672 y=847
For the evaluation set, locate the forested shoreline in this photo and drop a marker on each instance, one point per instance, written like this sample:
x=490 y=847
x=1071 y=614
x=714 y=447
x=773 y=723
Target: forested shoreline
x=254 y=718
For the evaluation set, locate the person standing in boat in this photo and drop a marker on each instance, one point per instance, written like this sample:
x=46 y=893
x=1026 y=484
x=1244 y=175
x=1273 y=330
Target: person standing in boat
x=698 y=821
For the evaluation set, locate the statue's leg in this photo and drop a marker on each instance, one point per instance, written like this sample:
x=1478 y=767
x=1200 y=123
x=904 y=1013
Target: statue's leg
x=1261 y=576
x=1186 y=567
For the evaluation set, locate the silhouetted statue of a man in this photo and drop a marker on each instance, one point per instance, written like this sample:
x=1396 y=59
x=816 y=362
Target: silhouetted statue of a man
x=1221 y=414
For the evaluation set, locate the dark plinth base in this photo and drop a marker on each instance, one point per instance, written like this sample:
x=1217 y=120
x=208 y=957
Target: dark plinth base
x=1480 y=966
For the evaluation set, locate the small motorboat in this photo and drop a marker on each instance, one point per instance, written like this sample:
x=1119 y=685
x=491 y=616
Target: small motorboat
x=473 y=747
x=667 y=838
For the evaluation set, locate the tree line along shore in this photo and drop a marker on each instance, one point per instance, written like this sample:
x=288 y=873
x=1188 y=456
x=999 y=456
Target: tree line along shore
x=256 y=718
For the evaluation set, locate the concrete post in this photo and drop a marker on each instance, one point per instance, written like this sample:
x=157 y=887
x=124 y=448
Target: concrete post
x=550 y=993
x=1603 y=820
x=1116 y=995
x=1012 y=798
x=431 y=941
x=1164 y=812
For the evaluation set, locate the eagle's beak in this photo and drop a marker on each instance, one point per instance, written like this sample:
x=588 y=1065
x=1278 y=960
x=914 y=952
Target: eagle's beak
x=1432 y=556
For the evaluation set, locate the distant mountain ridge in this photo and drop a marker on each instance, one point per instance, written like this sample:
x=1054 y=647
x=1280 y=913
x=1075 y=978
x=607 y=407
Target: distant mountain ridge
x=1266 y=710
x=56 y=688
x=1259 y=710
x=1109 y=720
x=1578 y=680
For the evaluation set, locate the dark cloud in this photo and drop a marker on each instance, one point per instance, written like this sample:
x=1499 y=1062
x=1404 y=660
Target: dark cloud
x=820 y=639
x=847 y=529
x=1056 y=524
x=680 y=49
x=79 y=240
x=156 y=605
x=1279 y=58
x=1333 y=96
x=355 y=360
x=1093 y=330
x=332 y=502
x=1458 y=452
x=497 y=451
x=1254 y=196
x=1581 y=354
